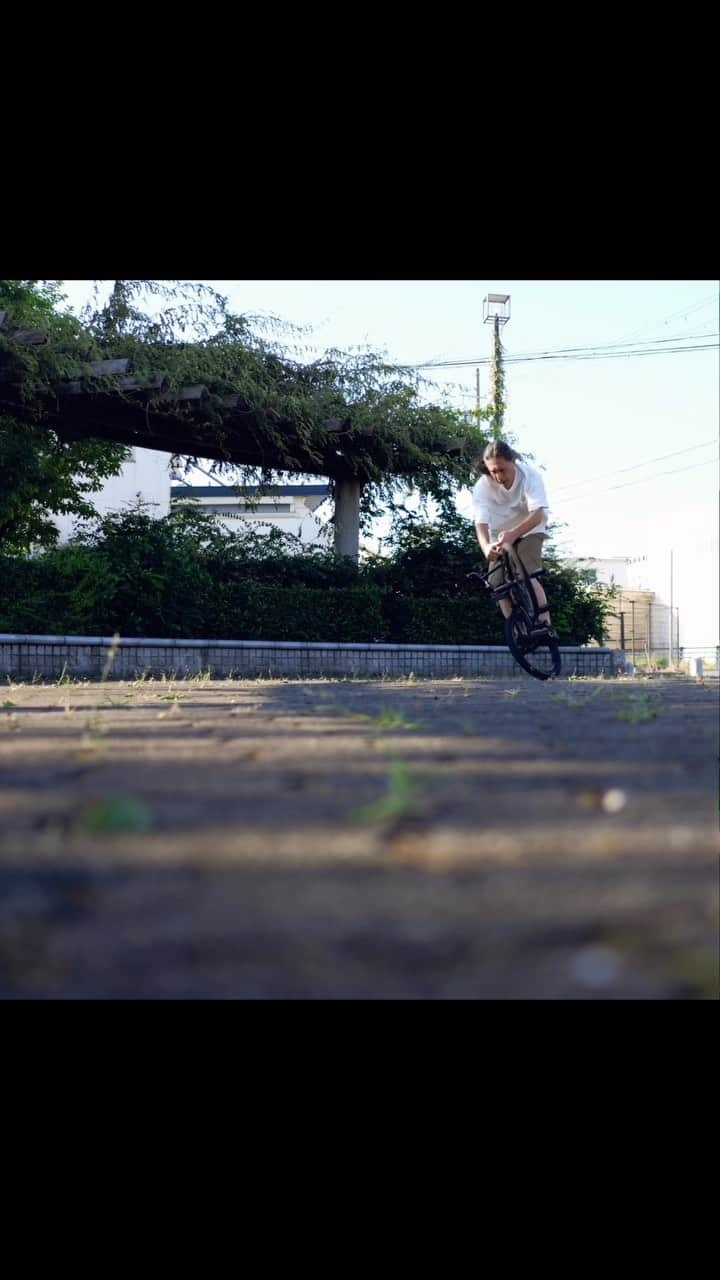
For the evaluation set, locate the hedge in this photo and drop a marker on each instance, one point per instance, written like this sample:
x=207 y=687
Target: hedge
x=182 y=578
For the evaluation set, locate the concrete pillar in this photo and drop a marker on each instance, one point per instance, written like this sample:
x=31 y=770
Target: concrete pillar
x=347 y=517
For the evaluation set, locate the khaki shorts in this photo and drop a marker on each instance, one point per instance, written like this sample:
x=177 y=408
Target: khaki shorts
x=530 y=555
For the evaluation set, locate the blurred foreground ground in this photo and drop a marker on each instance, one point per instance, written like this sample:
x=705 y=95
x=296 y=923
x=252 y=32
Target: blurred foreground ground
x=359 y=839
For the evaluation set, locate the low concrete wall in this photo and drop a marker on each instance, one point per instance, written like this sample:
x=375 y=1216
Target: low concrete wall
x=49 y=657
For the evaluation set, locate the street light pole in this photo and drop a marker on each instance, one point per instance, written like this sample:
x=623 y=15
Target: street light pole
x=671 y=608
x=496 y=311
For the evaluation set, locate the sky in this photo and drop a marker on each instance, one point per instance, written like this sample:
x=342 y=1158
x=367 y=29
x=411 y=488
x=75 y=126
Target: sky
x=601 y=429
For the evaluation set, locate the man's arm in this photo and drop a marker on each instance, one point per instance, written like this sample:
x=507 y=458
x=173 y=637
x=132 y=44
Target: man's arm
x=483 y=537
x=509 y=536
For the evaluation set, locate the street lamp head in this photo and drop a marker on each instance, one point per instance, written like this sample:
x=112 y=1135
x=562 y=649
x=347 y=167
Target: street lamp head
x=496 y=306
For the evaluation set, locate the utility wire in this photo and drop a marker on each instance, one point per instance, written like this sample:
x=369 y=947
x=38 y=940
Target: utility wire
x=631 y=483
x=684 y=311
x=577 y=354
x=620 y=470
x=587 y=349
x=608 y=346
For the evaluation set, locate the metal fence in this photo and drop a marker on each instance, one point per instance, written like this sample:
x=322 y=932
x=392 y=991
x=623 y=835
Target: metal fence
x=641 y=628
x=93 y=657
x=708 y=654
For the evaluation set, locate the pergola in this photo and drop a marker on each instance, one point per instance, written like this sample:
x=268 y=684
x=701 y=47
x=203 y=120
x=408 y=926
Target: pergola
x=108 y=402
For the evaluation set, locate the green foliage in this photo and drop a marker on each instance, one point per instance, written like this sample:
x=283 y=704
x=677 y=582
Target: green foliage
x=399 y=801
x=443 y=620
x=38 y=368
x=39 y=474
x=29 y=301
x=181 y=575
x=498 y=387
x=386 y=434
x=639 y=707
x=431 y=560
x=113 y=815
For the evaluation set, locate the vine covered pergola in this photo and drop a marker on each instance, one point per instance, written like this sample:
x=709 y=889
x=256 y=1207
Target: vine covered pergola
x=235 y=398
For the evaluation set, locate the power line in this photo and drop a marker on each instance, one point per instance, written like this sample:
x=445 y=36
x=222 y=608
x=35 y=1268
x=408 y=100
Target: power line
x=620 y=470
x=684 y=311
x=610 y=355
x=587 y=352
x=600 y=346
x=631 y=483
x=608 y=346
x=577 y=353
x=587 y=349
x=629 y=355
x=595 y=351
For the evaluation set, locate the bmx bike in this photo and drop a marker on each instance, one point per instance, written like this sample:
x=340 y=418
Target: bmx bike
x=532 y=643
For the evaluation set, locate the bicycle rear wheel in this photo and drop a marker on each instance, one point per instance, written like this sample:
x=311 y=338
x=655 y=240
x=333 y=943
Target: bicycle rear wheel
x=540 y=658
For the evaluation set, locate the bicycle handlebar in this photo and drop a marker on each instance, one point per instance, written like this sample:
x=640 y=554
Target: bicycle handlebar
x=502 y=589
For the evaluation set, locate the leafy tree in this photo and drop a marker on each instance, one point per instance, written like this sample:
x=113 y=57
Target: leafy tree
x=40 y=474
x=354 y=418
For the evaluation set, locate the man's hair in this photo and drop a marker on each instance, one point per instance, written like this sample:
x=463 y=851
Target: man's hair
x=497 y=449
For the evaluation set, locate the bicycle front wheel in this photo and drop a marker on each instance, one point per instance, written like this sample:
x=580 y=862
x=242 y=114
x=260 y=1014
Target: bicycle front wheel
x=540 y=658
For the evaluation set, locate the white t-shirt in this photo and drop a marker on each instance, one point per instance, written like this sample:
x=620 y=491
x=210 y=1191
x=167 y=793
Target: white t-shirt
x=501 y=508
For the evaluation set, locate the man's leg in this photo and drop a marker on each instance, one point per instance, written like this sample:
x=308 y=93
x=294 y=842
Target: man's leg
x=531 y=559
x=544 y=614
x=497 y=579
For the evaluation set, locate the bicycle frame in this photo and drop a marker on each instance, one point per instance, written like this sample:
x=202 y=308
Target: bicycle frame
x=509 y=587
x=533 y=644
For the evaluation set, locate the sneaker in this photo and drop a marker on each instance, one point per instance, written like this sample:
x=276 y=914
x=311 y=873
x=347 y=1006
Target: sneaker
x=545 y=633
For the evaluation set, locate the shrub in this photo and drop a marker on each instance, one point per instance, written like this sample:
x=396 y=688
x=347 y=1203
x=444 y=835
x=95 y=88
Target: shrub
x=182 y=576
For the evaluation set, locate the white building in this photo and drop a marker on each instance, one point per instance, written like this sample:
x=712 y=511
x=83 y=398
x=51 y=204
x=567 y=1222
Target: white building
x=649 y=587
x=631 y=573
x=296 y=509
x=147 y=476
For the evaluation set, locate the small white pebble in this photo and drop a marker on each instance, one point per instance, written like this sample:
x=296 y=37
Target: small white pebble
x=614 y=800
x=596 y=966
x=681 y=837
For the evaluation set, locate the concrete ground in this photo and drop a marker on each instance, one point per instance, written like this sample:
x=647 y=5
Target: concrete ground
x=439 y=839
